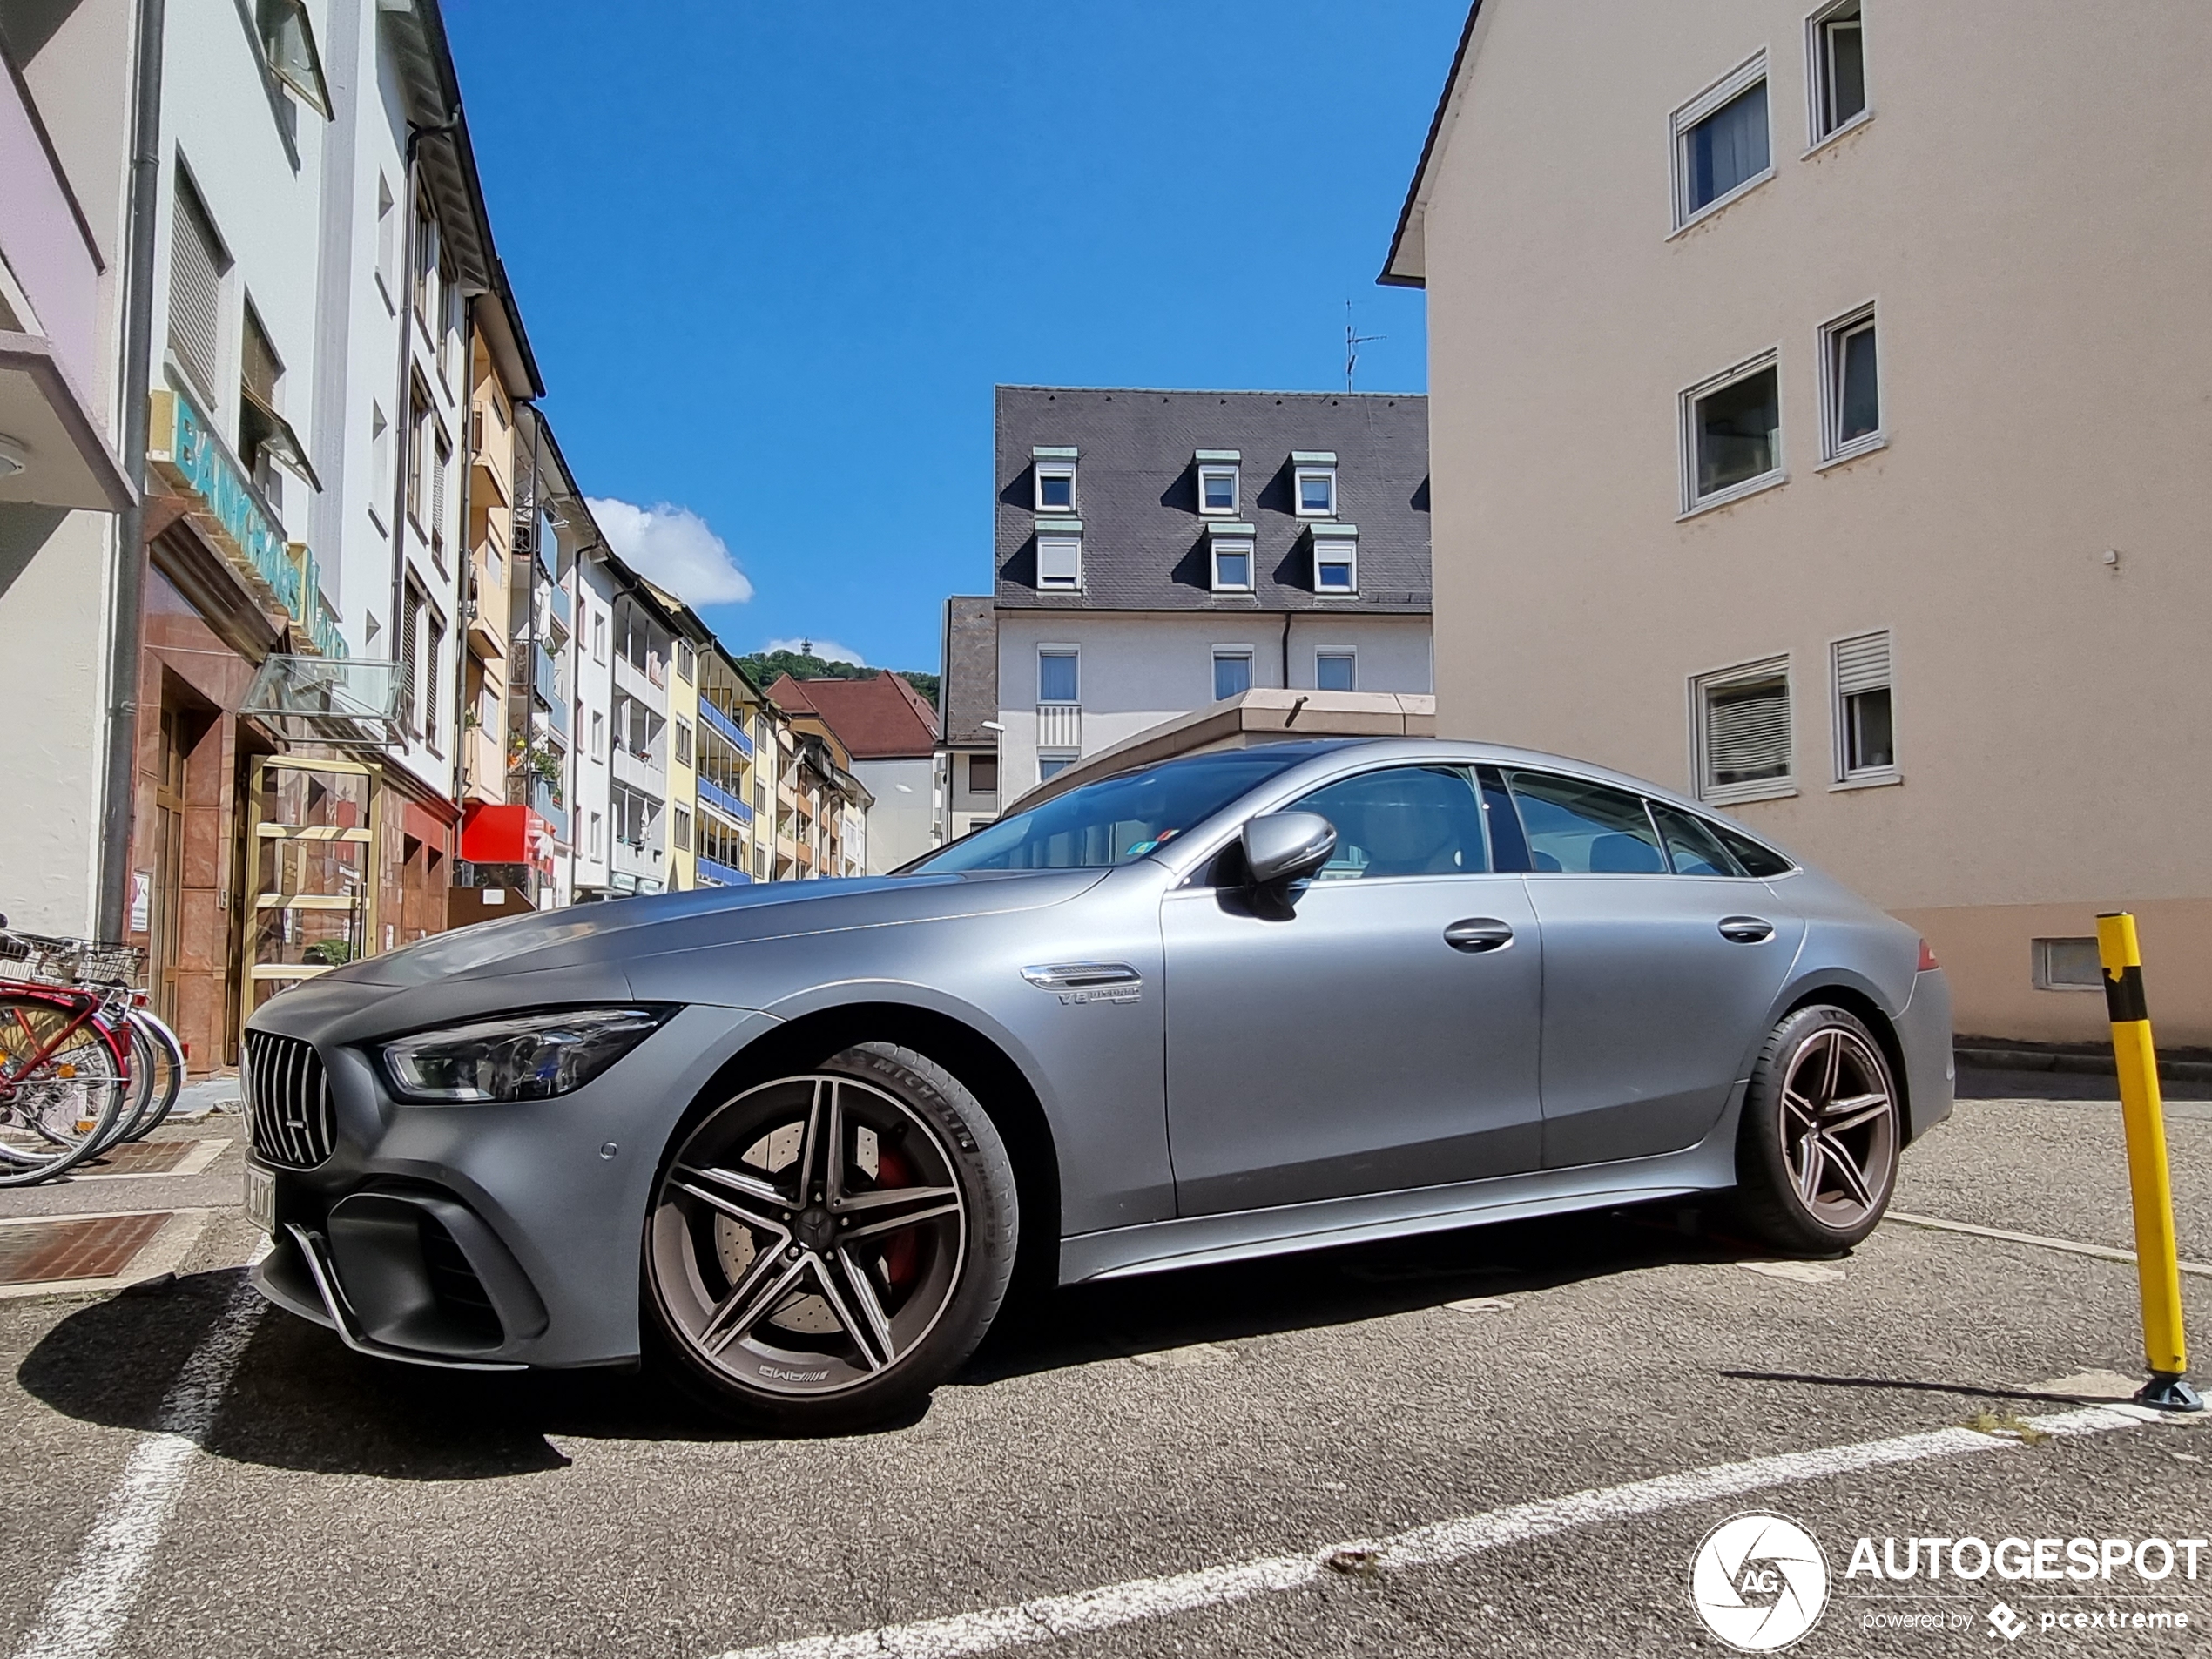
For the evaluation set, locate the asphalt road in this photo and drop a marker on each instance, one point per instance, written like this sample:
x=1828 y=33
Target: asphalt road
x=1147 y=1429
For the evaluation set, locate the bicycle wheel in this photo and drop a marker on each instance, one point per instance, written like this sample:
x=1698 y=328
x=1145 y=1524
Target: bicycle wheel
x=156 y=1073
x=61 y=1090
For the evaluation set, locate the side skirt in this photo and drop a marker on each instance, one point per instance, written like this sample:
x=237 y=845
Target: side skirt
x=1195 y=1241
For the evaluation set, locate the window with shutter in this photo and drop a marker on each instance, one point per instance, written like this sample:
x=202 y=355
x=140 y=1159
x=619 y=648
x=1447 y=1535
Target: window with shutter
x=1742 y=732
x=433 y=654
x=410 y=628
x=441 y=464
x=196 y=262
x=1866 y=724
x=1060 y=562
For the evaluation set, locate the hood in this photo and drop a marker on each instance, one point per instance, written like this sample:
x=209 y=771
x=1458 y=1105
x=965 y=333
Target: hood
x=626 y=928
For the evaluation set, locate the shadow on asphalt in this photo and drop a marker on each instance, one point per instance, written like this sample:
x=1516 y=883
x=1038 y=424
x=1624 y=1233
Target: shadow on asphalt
x=299 y=1399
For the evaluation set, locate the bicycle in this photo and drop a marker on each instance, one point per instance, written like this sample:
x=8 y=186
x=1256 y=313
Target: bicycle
x=157 y=1057
x=64 y=1061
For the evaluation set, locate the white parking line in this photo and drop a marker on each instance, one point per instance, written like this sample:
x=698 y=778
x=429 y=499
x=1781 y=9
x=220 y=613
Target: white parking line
x=87 y=1611
x=2071 y=1246
x=1137 y=1599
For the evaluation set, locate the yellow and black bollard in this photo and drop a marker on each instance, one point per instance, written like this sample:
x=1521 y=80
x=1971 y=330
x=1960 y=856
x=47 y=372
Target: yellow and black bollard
x=2150 y=1185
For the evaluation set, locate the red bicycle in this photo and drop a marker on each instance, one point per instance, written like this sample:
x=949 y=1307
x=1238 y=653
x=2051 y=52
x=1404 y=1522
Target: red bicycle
x=64 y=1062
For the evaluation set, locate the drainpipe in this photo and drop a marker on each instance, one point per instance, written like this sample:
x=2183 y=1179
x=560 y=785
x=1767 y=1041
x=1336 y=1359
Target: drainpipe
x=1286 y=650
x=118 y=799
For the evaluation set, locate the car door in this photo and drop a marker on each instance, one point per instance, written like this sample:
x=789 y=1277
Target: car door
x=1662 y=960
x=1382 y=1033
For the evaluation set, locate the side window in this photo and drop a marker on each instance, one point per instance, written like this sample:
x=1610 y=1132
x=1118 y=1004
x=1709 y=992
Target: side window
x=1691 y=845
x=1405 y=821
x=1754 y=859
x=1586 y=829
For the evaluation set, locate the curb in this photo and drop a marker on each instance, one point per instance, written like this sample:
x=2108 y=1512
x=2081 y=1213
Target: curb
x=2091 y=1065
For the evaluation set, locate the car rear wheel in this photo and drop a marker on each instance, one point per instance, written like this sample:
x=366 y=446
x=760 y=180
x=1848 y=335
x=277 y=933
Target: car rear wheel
x=826 y=1247
x=1817 y=1155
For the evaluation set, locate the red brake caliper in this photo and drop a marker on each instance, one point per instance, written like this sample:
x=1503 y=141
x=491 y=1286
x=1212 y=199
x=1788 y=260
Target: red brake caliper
x=902 y=1251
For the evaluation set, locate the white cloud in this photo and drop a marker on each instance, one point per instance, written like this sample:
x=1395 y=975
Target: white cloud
x=828 y=650
x=672 y=545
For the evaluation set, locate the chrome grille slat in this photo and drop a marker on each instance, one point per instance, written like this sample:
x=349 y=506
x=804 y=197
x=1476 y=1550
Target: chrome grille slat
x=290 y=1117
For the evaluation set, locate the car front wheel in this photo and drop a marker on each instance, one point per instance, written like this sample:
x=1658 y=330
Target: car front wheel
x=1817 y=1155
x=826 y=1247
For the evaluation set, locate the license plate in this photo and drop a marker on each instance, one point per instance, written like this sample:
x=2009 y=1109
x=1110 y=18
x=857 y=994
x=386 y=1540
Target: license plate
x=260 y=1199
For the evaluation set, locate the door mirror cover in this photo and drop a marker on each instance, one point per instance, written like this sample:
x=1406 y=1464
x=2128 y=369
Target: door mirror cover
x=1283 y=846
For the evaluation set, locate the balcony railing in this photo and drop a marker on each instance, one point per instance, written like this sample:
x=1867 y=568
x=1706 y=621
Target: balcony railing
x=723 y=801
x=721 y=874
x=545 y=674
x=1059 y=726
x=717 y=721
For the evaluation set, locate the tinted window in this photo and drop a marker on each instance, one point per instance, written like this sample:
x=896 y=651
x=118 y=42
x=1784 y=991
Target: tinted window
x=1406 y=820
x=1691 y=845
x=1585 y=828
x=1113 y=820
x=1754 y=859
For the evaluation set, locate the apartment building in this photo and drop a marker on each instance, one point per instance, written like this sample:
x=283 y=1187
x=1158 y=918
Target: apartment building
x=821 y=808
x=68 y=498
x=1157 y=551
x=968 y=715
x=724 y=784
x=891 y=734
x=1819 y=420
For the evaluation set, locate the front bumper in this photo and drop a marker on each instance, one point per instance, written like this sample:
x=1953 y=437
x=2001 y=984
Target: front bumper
x=485 y=1237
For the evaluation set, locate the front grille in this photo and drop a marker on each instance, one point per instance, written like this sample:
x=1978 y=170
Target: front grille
x=287 y=1102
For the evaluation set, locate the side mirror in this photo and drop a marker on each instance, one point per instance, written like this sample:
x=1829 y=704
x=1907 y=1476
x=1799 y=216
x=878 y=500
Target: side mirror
x=1281 y=847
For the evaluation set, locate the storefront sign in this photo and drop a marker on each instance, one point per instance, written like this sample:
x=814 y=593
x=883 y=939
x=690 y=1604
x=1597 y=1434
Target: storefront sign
x=184 y=449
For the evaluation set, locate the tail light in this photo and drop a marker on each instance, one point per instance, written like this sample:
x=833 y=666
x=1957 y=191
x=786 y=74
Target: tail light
x=1928 y=957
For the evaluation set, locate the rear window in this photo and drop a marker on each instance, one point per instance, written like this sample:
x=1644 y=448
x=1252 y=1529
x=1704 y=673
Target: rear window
x=1583 y=828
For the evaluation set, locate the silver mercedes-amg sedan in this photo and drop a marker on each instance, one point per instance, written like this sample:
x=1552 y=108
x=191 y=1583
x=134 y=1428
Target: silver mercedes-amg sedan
x=790 y=1141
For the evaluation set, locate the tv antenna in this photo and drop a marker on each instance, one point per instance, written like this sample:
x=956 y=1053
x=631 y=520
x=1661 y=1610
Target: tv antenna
x=1352 y=341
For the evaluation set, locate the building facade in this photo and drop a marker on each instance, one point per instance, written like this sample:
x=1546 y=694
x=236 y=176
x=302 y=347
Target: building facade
x=1774 y=352
x=891 y=734
x=1159 y=551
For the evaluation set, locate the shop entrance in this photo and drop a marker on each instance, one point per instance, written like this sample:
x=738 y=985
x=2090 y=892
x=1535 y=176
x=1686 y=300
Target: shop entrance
x=311 y=875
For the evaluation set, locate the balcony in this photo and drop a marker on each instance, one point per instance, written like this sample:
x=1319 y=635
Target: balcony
x=558 y=603
x=545 y=802
x=554 y=718
x=712 y=794
x=714 y=719
x=721 y=875
x=482 y=764
x=545 y=675
x=48 y=374
x=1059 y=726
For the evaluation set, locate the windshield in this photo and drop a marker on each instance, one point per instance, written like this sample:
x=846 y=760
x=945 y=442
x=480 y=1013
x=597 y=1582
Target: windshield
x=1114 y=820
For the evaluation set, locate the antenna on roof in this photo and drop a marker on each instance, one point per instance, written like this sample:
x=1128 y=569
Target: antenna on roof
x=1352 y=341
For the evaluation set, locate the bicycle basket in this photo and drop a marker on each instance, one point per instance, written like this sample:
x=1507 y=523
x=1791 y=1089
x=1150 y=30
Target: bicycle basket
x=75 y=961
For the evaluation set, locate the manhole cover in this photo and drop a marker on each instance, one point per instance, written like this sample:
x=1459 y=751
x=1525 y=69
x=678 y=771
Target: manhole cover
x=34 y=1252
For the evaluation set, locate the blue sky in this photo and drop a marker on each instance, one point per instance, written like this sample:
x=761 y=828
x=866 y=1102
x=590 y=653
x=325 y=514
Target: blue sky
x=773 y=258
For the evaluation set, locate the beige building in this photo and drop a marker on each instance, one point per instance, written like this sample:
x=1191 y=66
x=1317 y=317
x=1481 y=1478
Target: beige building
x=1821 y=421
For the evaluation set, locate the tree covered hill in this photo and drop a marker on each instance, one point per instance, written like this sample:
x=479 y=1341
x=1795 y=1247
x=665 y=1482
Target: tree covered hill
x=765 y=665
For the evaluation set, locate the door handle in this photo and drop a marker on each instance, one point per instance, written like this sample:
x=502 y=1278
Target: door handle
x=1746 y=930
x=1477 y=934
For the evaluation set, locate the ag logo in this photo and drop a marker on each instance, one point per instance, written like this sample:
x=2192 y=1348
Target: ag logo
x=1758 y=1582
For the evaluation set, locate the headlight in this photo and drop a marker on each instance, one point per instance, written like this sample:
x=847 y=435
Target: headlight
x=525 y=1056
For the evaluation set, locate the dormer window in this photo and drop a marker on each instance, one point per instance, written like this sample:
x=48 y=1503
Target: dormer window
x=1316 y=482
x=1054 y=468
x=1219 y=490
x=1060 y=554
x=1336 y=559
x=1232 y=546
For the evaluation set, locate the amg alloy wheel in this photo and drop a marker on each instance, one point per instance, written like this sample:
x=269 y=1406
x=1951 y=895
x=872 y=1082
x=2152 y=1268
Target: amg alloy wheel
x=1818 y=1153
x=826 y=1247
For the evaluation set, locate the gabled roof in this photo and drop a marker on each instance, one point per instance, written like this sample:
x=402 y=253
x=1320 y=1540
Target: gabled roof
x=1407 y=265
x=880 y=719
